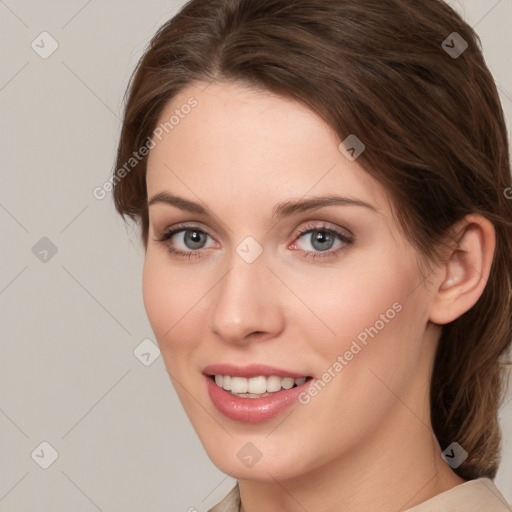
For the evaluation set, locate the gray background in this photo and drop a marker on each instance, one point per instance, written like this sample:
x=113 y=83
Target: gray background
x=71 y=323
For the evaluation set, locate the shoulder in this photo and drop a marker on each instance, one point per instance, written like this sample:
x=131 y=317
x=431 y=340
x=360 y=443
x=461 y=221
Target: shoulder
x=480 y=495
x=231 y=503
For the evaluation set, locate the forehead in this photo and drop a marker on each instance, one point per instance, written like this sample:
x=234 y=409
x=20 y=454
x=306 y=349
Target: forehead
x=242 y=143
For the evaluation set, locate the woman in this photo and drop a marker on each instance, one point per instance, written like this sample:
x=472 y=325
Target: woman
x=322 y=194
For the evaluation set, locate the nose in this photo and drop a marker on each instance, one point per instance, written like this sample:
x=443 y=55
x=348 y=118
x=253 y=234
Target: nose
x=247 y=304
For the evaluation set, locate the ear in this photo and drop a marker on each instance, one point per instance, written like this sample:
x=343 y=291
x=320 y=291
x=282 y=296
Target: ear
x=464 y=272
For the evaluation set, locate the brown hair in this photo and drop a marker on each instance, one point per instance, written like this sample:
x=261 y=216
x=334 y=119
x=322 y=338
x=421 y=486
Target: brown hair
x=434 y=132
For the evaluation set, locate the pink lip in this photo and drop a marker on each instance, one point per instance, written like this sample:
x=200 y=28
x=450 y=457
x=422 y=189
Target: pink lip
x=251 y=410
x=252 y=370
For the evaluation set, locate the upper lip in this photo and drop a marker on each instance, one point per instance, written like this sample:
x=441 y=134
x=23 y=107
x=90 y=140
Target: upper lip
x=251 y=370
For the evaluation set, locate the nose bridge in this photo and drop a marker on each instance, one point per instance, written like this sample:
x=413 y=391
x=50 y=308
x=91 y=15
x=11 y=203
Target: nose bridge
x=244 y=303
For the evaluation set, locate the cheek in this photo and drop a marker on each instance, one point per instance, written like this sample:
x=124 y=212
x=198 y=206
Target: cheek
x=172 y=304
x=175 y=306
x=362 y=297
x=375 y=311
x=379 y=319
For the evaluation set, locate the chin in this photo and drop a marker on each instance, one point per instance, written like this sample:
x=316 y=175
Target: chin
x=251 y=457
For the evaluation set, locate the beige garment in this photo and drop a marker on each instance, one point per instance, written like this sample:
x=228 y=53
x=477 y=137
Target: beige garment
x=479 y=495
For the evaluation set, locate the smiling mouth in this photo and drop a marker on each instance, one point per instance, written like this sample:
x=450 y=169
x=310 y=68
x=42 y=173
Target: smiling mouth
x=256 y=387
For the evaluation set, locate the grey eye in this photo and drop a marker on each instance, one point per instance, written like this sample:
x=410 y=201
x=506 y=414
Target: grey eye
x=322 y=240
x=194 y=239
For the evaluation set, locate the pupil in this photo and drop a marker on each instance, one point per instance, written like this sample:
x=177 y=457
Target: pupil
x=322 y=240
x=194 y=239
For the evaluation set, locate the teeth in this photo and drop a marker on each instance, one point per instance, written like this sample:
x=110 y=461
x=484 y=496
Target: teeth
x=288 y=383
x=273 y=383
x=256 y=386
x=239 y=385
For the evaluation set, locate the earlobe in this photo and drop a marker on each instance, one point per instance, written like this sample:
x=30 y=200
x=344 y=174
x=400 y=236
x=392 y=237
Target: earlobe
x=465 y=271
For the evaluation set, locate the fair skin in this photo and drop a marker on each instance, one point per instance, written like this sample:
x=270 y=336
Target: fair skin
x=365 y=439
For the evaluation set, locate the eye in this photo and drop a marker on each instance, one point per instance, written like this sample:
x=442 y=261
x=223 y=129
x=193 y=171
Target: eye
x=186 y=241
x=321 y=239
x=318 y=239
x=192 y=239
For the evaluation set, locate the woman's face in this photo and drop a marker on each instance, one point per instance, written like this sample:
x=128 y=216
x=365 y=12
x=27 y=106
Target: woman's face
x=271 y=258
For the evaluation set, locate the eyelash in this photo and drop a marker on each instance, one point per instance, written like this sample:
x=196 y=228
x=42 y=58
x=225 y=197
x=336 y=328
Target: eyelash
x=176 y=252
x=346 y=239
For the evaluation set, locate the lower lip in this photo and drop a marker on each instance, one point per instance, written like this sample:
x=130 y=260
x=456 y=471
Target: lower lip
x=253 y=410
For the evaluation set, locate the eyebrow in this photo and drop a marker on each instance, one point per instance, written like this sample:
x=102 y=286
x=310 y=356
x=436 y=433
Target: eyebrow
x=288 y=208
x=281 y=210
x=179 y=202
